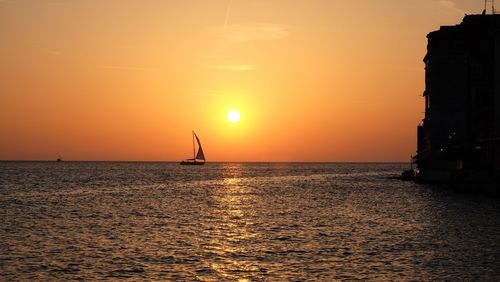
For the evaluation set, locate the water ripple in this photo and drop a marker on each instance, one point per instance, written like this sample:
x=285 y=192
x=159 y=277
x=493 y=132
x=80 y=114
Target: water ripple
x=239 y=222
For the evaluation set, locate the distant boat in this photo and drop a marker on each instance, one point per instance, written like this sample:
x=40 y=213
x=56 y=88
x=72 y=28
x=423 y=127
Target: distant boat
x=59 y=159
x=199 y=157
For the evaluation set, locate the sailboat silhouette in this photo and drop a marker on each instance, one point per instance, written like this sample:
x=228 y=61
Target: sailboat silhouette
x=199 y=157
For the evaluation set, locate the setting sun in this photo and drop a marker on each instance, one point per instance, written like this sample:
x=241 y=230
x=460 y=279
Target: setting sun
x=233 y=116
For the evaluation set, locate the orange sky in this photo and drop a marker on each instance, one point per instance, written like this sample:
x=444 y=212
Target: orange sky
x=315 y=80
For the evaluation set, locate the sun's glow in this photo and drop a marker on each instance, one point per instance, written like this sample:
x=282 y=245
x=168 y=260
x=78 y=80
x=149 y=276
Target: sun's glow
x=233 y=116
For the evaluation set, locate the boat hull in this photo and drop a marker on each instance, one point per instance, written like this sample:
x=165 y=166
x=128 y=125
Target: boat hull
x=191 y=163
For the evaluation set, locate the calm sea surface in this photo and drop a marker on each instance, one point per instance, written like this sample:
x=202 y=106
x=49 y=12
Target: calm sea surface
x=234 y=221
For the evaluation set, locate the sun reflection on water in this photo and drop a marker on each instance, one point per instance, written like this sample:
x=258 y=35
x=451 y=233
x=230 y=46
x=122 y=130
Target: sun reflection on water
x=232 y=227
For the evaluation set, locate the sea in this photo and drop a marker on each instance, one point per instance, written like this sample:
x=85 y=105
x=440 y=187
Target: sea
x=140 y=221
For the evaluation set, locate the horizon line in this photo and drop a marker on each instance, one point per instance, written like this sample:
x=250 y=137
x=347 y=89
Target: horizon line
x=170 y=161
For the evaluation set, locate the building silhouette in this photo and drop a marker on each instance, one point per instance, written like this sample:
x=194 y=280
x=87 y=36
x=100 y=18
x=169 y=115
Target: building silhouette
x=459 y=138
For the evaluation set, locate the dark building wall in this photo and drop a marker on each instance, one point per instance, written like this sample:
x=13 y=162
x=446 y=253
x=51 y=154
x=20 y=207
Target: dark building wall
x=496 y=95
x=446 y=92
x=461 y=127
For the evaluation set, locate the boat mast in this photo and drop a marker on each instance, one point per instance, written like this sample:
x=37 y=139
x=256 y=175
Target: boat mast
x=493 y=12
x=194 y=153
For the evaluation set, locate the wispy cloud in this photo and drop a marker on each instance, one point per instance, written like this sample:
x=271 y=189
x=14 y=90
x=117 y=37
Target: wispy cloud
x=208 y=94
x=250 y=32
x=213 y=94
x=130 y=68
x=228 y=11
x=53 y=52
x=233 y=67
x=217 y=56
x=125 y=46
x=450 y=7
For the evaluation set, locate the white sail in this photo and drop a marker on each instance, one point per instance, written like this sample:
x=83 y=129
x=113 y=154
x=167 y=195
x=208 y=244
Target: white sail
x=199 y=155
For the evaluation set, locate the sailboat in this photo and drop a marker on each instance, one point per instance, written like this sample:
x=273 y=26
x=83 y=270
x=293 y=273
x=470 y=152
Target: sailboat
x=198 y=157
